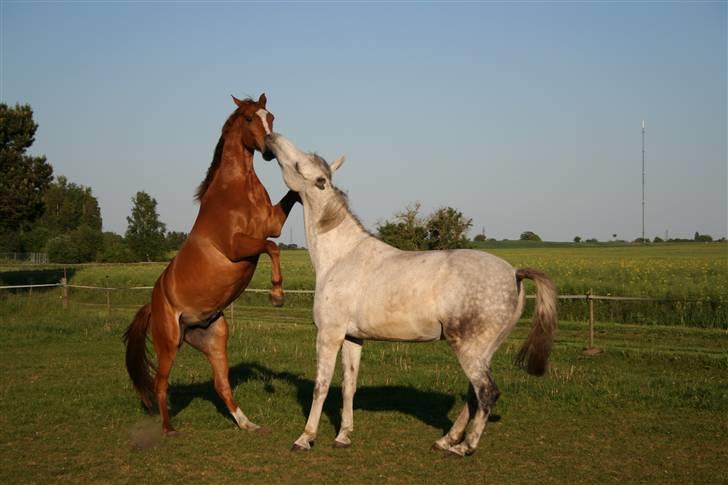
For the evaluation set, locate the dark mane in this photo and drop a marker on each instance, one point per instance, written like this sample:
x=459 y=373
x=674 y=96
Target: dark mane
x=217 y=156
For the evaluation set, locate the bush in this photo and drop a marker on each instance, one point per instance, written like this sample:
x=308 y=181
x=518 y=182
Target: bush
x=87 y=242
x=529 y=236
x=60 y=249
x=115 y=249
x=34 y=241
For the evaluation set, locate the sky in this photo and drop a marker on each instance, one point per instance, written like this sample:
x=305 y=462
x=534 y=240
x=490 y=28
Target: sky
x=524 y=116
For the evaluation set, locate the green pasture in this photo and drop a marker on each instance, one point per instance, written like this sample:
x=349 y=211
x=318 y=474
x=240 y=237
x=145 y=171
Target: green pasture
x=690 y=280
x=652 y=408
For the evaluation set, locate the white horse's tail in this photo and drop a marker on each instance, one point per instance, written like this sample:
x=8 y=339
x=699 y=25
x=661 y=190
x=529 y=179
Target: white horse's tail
x=534 y=353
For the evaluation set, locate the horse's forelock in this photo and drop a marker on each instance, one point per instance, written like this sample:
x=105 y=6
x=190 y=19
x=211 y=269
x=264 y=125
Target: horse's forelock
x=321 y=163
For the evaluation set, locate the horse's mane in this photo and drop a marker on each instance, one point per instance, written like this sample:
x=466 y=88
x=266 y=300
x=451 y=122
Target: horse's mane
x=337 y=208
x=217 y=156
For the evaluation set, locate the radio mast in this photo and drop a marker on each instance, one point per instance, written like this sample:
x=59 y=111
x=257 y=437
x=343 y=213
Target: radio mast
x=643 y=181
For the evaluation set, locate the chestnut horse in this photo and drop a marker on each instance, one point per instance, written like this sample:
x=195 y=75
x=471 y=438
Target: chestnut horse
x=214 y=265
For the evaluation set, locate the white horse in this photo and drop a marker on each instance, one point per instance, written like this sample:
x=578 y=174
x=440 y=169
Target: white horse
x=366 y=289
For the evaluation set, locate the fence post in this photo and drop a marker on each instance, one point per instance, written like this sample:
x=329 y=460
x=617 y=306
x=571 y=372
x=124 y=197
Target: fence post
x=64 y=291
x=108 y=299
x=591 y=350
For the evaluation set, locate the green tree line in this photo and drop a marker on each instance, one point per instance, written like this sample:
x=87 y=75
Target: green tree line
x=43 y=213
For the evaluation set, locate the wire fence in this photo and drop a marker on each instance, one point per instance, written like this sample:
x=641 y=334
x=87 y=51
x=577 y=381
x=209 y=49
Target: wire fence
x=34 y=258
x=589 y=298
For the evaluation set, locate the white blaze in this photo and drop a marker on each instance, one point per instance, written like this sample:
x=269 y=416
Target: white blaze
x=264 y=118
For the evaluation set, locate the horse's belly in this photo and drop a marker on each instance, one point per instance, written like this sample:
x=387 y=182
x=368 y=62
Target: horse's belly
x=395 y=329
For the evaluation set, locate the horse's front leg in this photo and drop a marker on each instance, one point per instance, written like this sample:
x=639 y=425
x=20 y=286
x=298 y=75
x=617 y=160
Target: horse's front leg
x=244 y=246
x=327 y=346
x=350 y=358
x=280 y=212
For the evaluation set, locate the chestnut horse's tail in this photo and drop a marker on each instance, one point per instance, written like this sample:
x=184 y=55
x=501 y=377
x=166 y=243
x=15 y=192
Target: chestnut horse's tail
x=138 y=363
x=534 y=353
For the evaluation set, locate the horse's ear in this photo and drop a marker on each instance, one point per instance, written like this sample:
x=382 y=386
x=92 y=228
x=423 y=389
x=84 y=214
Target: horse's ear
x=337 y=163
x=237 y=101
x=262 y=100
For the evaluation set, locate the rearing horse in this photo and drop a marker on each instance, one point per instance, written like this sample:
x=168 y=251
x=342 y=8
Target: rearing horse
x=214 y=265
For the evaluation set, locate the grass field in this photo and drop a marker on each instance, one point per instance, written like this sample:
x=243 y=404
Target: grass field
x=692 y=278
x=653 y=407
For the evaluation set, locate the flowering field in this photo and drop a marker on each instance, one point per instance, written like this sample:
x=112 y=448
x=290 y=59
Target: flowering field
x=690 y=280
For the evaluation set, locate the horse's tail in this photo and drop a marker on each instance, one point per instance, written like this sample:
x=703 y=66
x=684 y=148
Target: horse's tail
x=138 y=363
x=534 y=353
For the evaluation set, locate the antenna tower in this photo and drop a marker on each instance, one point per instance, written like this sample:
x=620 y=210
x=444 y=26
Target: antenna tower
x=643 y=181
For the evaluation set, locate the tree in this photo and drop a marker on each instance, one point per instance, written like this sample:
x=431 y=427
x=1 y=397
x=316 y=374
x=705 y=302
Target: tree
x=480 y=238
x=407 y=231
x=145 y=233
x=174 y=240
x=23 y=178
x=529 y=236
x=447 y=229
x=577 y=239
x=702 y=237
x=69 y=206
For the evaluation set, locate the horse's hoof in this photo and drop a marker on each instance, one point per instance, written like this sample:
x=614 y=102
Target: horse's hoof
x=171 y=433
x=436 y=447
x=263 y=430
x=453 y=454
x=276 y=300
x=339 y=444
x=297 y=447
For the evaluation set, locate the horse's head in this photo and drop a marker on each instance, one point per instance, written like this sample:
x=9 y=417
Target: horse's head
x=302 y=172
x=255 y=124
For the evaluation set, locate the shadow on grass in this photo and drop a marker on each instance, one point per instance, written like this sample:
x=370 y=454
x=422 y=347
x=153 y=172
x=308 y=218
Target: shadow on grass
x=430 y=407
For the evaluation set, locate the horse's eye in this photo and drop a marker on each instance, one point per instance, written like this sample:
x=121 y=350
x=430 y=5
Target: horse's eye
x=248 y=119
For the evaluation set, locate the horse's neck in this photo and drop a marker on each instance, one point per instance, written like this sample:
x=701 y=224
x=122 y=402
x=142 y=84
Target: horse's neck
x=236 y=163
x=328 y=247
x=235 y=175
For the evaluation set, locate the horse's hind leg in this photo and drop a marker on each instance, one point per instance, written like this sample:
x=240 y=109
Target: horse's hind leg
x=457 y=431
x=486 y=394
x=212 y=341
x=350 y=358
x=165 y=337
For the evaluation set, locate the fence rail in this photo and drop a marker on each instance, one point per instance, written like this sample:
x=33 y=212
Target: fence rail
x=589 y=297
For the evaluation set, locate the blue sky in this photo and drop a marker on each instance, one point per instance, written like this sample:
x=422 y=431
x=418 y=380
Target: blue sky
x=523 y=116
